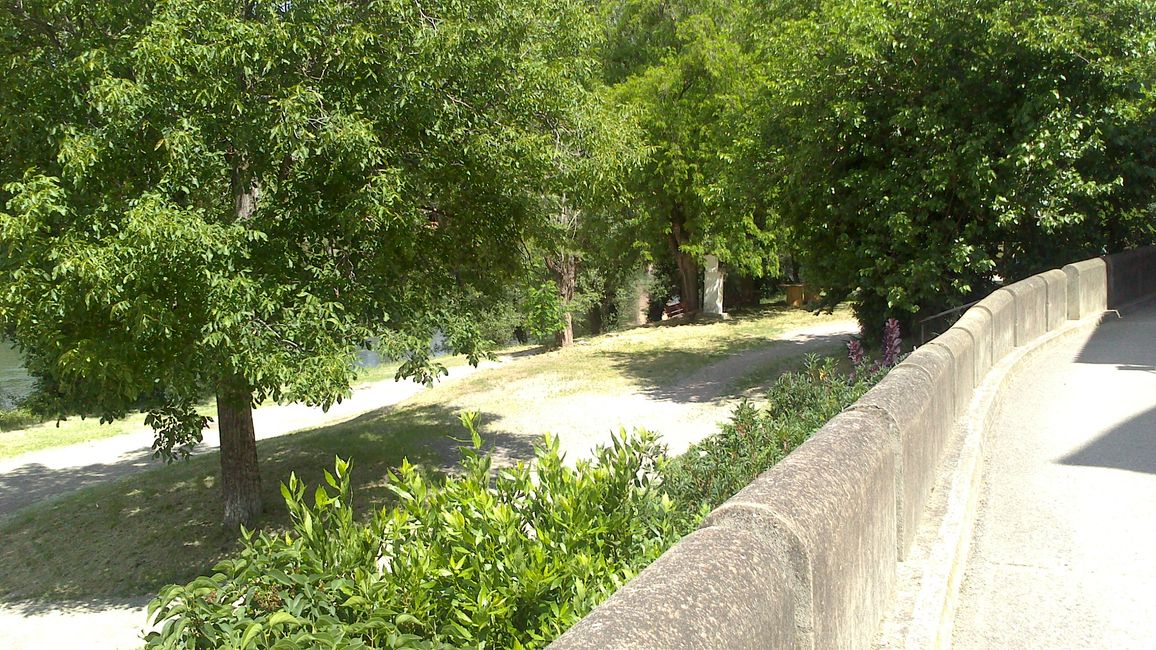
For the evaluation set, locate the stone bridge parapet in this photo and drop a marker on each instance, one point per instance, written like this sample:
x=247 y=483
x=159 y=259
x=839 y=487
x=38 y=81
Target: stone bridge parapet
x=809 y=554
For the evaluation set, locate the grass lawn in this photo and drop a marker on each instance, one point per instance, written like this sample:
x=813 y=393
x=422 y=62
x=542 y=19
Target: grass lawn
x=22 y=433
x=130 y=537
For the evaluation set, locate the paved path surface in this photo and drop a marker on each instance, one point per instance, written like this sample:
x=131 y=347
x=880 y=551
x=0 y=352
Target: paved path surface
x=1063 y=554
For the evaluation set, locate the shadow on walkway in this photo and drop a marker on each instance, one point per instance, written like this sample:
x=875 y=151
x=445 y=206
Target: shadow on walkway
x=32 y=483
x=133 y=536
x=28 y=608
x=1130 y=446
x=1127 y=342
x=716 y=379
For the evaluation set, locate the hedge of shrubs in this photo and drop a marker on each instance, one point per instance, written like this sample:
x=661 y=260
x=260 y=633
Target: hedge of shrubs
x=505 y=558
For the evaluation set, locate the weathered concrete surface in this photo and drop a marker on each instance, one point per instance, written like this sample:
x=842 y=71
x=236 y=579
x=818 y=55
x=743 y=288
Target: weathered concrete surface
x=717 y=588
x=1087 y=288
x=1031 y=301
x=1000 y=306
x=918 y=412
x=977 y=323
x=829 y=510
x=1057 y=284
x=929 y=578
x=958 y=343
x=1062 y=556
x=712 y=286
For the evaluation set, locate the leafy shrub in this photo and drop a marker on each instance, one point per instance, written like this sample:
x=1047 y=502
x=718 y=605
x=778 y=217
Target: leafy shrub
x=798 y=404
x=17 y=418
x=489 y=561
x=506 y=558
x=544 y=311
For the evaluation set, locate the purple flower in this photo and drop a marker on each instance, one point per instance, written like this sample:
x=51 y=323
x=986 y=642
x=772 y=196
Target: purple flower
x=855 y=352
x=892 y=344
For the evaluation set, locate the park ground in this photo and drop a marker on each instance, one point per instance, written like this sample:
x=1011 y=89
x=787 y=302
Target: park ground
x=86 y=543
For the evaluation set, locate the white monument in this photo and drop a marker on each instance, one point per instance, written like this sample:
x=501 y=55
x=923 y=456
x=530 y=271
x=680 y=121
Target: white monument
x=712 y=295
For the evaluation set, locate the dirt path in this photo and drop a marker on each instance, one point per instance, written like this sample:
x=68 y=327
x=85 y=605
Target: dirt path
x=682 y=413
x=50 y=473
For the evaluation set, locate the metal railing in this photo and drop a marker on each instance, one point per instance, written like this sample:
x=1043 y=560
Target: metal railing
x=937 y=324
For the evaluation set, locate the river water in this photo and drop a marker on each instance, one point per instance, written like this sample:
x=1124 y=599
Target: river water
x=14 y=382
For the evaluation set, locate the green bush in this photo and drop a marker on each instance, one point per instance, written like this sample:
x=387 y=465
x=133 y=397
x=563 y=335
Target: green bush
x=544 y=311
x=490 y=558
x=798 y=404
x=504 y=559
x=17 y=418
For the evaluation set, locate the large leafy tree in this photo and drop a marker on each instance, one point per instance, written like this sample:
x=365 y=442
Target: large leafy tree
x=924 y=150
x=226 y=198
x=684 y=69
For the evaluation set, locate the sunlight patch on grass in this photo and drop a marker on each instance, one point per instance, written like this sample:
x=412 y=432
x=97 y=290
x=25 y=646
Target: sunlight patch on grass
x=37 y=435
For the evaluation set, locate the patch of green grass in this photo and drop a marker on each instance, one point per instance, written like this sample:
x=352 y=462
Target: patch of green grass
x=23 y=432
x=134 y=535
x=653 y=356
x=388 y=370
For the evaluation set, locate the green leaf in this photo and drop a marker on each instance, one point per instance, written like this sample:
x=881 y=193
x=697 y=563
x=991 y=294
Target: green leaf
x=250 y=634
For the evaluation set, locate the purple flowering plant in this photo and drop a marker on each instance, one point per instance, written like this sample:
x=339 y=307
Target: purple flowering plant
x=892 y=350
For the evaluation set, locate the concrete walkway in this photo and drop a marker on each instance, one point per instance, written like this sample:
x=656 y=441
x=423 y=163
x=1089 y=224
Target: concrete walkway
x=1062 y=555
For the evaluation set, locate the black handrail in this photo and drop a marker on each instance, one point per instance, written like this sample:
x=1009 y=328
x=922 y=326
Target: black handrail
x=923 y=338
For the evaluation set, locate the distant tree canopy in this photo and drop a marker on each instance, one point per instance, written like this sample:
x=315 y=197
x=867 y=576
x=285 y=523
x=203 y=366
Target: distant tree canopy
x=222 y=197
x=682 y=69
x=922 y=149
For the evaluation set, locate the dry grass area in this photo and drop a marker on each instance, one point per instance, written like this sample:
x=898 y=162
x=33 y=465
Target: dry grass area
x=129 y=537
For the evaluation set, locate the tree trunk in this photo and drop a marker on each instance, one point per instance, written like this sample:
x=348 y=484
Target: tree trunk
x=594 y=317
x=564 y=269
x=688 y=285
x=566 y=336
x=240 y=477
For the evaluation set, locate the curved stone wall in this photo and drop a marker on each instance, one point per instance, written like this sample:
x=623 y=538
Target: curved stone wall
x=806 y=555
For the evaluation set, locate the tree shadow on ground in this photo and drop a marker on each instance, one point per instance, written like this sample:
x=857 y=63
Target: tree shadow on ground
x=87 y=606
x=706 y=374
x=32 y=483
x=132 y=536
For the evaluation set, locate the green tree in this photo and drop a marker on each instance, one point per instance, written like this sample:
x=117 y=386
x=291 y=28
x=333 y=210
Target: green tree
x=227 y=198
x=684 y=70
x=923 y=150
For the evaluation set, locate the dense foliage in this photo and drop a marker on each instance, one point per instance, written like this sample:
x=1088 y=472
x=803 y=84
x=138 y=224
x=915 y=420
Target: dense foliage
x=220 y=197
x=476 y=560
x=492 y=557
x=681 y=68
x=798 y=403
x=923 y=150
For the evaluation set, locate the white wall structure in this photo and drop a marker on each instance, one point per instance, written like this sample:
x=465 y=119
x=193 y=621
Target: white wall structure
x=712 y=295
